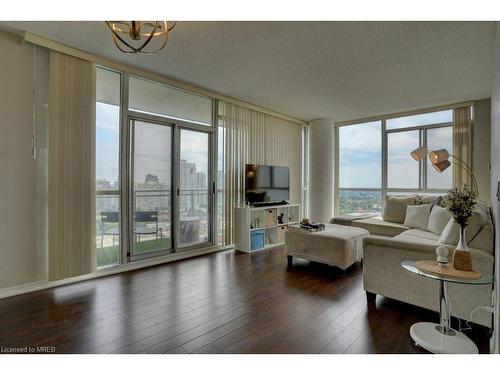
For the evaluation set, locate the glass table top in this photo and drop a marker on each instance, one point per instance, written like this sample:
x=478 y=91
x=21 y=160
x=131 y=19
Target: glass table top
x=409 y=265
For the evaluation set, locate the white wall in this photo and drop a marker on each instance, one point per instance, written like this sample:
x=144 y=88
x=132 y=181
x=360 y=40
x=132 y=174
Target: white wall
x=321 y=167
x=495 y=172
x=18 y=182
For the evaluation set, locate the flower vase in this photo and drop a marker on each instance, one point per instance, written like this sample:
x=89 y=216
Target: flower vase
x=462 y=259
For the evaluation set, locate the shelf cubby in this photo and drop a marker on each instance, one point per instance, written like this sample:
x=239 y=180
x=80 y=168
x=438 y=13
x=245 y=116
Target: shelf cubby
x=270 y=222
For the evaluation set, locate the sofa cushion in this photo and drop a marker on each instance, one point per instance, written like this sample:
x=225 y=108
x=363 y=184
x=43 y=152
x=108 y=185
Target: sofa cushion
x=438 y=219
x=417 y=216
x=419 y=236
x=484 y=240
x=379 y=227
x=394 y=210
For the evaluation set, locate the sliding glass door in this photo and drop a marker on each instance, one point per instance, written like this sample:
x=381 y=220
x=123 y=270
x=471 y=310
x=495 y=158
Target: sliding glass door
x=151 y=188
x=194 y=191
x=160 y=222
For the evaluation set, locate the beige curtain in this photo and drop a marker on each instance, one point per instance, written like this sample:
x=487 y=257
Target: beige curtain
x=71 y=167
x=461 y=143
x=254 y=137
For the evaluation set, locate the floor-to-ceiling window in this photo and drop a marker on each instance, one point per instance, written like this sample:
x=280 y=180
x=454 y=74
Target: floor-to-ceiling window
x=154 y=169
x=107 y=160
x=374 y=159
x=360 y=172
x=305 y=171
x=219 y=184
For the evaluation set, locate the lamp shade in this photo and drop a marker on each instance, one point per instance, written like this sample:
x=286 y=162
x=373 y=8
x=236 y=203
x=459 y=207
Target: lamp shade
x=419 y=153
x=438 y=156
x=441 y=166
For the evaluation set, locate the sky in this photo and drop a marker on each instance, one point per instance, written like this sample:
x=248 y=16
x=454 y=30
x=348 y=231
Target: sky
x=107 y=141
x=360 y=156
x=422 y=119
x=152 y=147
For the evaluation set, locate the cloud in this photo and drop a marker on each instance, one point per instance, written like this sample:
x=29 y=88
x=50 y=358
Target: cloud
x=107 y=117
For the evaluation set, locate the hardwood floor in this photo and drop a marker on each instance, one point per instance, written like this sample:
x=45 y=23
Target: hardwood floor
x=228 y=302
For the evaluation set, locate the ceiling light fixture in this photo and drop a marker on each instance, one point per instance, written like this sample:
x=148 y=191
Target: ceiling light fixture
x=140 y=34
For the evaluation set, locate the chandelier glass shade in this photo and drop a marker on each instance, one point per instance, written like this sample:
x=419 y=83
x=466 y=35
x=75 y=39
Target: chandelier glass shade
x=134 y=36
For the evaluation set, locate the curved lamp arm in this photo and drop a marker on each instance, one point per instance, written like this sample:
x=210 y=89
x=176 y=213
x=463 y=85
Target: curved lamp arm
x=462 y=163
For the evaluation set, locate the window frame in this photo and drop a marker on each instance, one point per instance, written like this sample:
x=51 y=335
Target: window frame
x=384 y=133
x=168 y=118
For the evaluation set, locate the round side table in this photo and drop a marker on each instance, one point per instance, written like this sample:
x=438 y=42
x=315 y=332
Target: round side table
x=441 y=338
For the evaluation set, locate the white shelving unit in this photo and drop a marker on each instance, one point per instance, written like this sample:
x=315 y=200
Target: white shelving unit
x=265 y=225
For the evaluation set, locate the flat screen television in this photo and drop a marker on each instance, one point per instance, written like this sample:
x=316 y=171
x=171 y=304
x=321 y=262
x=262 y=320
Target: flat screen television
x=266 y=183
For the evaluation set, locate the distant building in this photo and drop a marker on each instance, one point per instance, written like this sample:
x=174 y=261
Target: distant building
x=151 y=179
x=102 y=184
x=191 y=181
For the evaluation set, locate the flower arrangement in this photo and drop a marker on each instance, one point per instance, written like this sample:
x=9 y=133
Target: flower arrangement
x=461 y=202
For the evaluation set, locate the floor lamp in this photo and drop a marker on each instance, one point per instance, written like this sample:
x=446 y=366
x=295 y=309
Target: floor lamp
x=441 y=159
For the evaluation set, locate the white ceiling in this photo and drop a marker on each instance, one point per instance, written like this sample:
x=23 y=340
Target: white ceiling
x=338 y=70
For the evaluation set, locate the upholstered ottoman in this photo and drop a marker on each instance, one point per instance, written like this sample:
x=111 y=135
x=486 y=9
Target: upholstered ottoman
x=337 y=245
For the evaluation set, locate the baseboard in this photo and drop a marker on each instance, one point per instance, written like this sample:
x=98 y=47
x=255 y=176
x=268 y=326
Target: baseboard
x=44 y=284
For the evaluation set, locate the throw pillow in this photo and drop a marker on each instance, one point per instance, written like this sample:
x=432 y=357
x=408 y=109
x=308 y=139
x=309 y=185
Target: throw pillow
x=438 y=219
x=395 y=208
x=451 y=233
x=417 y=216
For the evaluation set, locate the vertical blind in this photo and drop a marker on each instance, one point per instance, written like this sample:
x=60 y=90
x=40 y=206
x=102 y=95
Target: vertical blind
x=461 y=144
x=255 y=137
x=71 y=209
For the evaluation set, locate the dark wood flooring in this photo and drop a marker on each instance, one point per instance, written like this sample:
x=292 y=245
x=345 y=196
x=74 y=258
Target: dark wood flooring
x=228 y=302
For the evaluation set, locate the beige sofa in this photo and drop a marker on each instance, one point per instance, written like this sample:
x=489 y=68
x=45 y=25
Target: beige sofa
x=390 y=243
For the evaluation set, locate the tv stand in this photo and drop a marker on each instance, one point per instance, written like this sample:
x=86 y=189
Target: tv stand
x=257 y=228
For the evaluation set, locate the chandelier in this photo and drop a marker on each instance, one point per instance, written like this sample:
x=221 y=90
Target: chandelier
x=133 y=36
